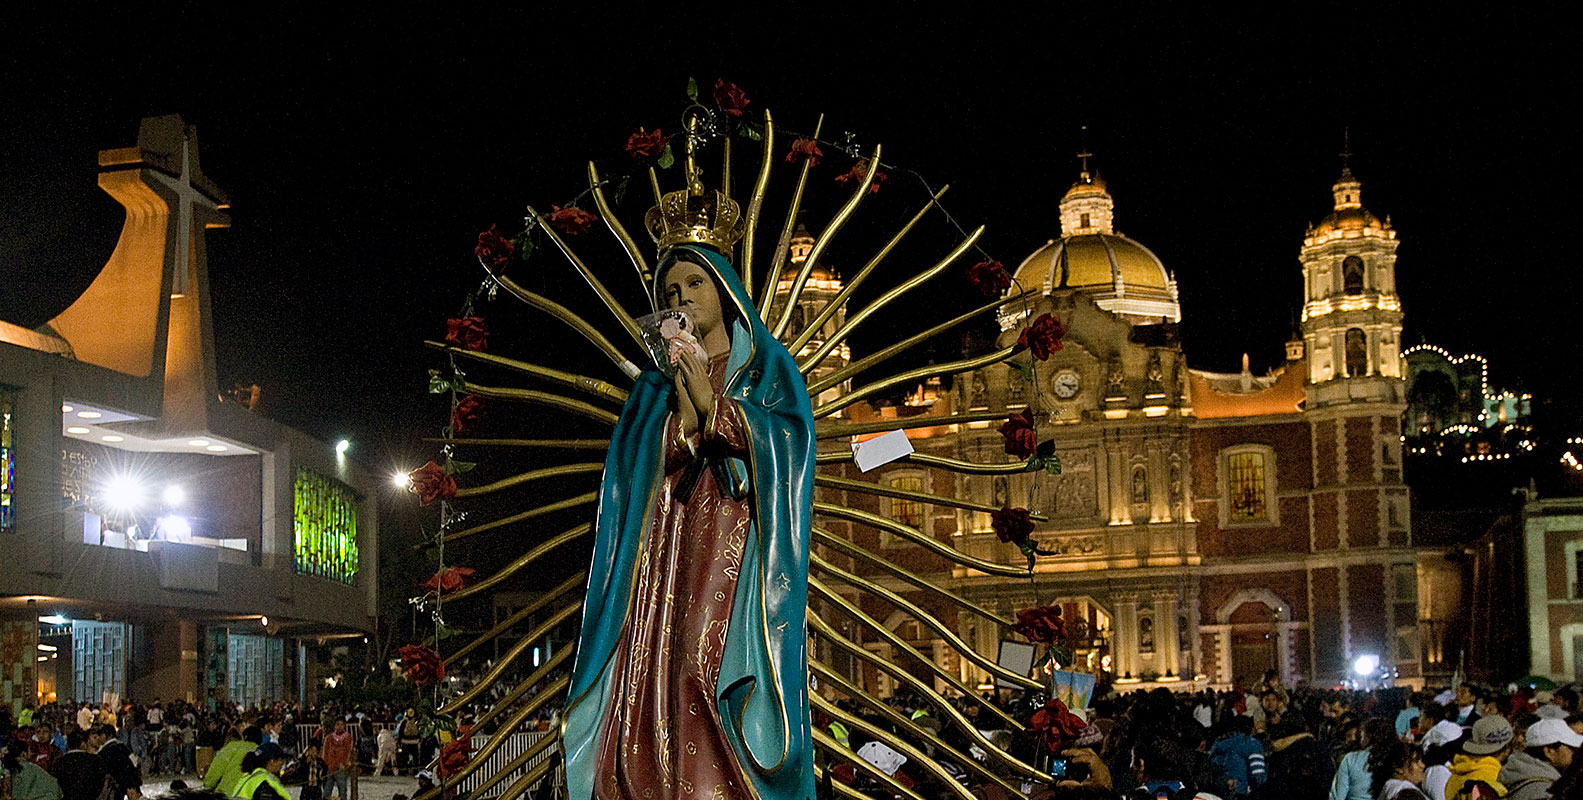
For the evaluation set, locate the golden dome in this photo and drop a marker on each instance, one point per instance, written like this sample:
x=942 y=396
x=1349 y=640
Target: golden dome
x=1120 y=274
x=1094 y=259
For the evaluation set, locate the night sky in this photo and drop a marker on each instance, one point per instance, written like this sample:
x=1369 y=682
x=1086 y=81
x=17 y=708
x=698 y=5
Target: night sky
x=364 y=152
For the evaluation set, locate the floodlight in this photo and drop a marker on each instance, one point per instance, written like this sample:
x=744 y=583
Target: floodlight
x=342 y=446
x=174 y=495
x=174 y=528
x=123 y=493
x=1366 y=664
x=54 y=619
x=400 y=480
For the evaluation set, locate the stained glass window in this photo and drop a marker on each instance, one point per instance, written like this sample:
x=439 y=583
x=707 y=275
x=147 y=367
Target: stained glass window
x=325 y=527
x=1245 y=480
x=7 y=464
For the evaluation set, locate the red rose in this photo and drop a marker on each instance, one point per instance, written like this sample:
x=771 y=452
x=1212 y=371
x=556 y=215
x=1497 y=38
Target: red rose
x=1012 y=525
x=453 y=756
x=1042 y=338
x=493 y=250
x=1021 y=439
x=730 y=98
x=429 y=482
x=857 y=172
x=572 y=221
x=644 y=145
x=468 y=411
x=450 y=579
x=989 y=278
x=1042 y=624
x=468 y=333
x=1056 y=725
x=805 y=150
x=421 y=664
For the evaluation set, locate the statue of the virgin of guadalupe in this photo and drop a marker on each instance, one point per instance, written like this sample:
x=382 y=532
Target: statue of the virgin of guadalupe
x=691 y=677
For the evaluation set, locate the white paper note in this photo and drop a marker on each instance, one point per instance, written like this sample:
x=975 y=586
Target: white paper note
x=881 y=450
x=883 y=758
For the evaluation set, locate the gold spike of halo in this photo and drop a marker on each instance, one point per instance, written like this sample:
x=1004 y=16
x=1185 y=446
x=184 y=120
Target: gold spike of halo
x=948 y=368
x=627 y=243
x=948 y=712
x=830 y=540
x=756 y=202
x=899 y=721
x=925 y=619
x=783 y=247
x=853 y=320
x=823 y=242
x=520 y=615
x=817 y=323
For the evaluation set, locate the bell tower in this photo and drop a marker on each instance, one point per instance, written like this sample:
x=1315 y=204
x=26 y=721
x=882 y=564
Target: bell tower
x=1352 y=317
x=1355 y=397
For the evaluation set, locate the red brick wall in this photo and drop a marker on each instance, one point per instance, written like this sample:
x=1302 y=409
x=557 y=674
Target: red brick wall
x=1293 y=472
x=1325 y=453
x=1327 y=534
x=1215 y=590
x=1325 y=623
x=1361 y=447
x=1366 y=594
x=1363 y=518
x=1555 y=561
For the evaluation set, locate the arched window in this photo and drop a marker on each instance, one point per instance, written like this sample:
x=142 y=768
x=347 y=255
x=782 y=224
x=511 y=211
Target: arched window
x=907 y=511
x=1083 y=221
x=1352 y=275
x=1357 y=353
x=1247 y=485
x=798 y=320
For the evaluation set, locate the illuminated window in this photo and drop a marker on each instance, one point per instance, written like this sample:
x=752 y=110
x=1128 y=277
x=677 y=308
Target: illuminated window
x=325 y=527
x=906 y=511
x=1247 y=480
x=1357 y=353
x=7 y=464
x=1352 y=275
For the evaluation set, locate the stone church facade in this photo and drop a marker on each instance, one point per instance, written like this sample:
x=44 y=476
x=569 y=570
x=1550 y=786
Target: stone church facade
x=1205 y=527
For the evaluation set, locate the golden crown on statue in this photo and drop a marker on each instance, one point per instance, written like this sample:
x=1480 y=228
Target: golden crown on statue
x=682 y=217
x=694 y=215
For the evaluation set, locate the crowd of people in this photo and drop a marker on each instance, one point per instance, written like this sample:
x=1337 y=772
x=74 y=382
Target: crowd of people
x=1267 y=743
x=1272 y=742
x=107 y=751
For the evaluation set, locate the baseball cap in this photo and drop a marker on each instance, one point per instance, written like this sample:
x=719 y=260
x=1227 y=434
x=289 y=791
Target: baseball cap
x=1552 y=732
x=269 y=751
x=1489 y=735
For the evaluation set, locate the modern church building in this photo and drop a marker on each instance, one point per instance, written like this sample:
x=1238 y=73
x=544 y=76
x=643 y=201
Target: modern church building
x=160 y=541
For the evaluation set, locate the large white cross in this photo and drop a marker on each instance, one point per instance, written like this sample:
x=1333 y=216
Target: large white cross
x=186 y=197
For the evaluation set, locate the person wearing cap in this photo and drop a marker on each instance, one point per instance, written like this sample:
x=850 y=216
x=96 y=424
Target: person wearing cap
x=263 y=781
x=1529 y=773
x=1483 y=753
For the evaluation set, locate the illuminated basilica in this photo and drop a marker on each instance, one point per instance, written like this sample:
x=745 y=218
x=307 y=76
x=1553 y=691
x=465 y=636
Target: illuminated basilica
x=1205 y=527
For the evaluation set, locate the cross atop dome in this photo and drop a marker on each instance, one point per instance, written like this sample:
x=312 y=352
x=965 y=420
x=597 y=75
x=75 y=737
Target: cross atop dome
x=1087 y=207
x=1347 y=189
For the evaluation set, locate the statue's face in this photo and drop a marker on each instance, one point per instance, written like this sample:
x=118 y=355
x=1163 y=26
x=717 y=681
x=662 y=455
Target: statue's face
x=688 y=286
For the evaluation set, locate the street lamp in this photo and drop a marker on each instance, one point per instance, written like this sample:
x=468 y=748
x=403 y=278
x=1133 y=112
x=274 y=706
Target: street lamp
x=342 y=446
